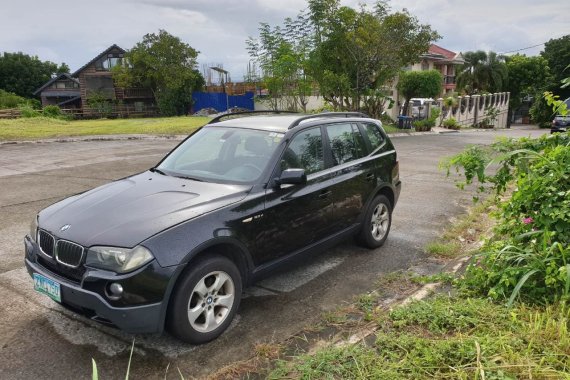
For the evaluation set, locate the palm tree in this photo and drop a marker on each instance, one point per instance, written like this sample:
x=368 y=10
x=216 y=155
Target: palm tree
x=482 y=72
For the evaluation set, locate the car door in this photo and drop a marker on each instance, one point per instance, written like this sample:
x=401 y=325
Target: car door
x=353 y=170
x=297 y=215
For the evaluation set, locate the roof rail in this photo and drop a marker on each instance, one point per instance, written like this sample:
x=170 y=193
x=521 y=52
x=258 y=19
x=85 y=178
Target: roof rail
x=327 y=114
x=245 y=113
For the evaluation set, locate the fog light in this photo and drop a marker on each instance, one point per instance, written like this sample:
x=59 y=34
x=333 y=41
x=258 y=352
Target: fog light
x=115 y=291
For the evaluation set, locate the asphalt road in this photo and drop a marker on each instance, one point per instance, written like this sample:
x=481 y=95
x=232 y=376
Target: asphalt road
x=40 y=339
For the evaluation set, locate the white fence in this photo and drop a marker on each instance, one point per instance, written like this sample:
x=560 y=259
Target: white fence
x=472 y=110
x=469 y=111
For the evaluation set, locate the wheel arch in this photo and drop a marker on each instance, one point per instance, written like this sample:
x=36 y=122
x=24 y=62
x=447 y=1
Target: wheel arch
x=231 y=248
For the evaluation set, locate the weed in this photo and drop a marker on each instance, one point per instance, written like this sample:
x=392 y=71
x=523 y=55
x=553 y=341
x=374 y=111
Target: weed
x=446 y=249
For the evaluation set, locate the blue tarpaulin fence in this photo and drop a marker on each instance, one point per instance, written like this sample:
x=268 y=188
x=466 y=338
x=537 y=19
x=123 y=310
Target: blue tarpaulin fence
x=220 y=102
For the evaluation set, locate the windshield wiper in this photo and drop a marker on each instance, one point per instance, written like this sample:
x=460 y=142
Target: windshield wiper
x=190 y=178
x=155 y=170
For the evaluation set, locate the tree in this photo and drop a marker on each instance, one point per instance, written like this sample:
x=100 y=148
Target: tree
x=361 y=50
x=482 y=72
x=282 y=54
x=22 y=74
x=419 y=84
x=165 y=65
x=557 y=54
x=528 y=77
x=351 y=54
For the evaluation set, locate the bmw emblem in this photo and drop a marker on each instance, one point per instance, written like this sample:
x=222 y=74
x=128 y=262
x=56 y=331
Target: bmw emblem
x=65 y=228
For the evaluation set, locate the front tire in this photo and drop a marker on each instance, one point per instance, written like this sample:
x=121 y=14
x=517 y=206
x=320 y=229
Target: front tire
x=377 y=223
x=205 y=300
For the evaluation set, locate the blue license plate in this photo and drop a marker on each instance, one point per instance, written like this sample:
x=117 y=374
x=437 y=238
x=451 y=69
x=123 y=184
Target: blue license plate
x=47 y=286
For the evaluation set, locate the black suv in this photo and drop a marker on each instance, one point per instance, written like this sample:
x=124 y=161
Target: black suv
x=175 y=245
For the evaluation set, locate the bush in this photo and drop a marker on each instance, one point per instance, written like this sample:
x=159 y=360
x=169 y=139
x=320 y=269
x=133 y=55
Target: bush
x=529 y=255
x=52 y=111
x=27 y=110
x=451 y=123
x=427 y=124
x=10 y=100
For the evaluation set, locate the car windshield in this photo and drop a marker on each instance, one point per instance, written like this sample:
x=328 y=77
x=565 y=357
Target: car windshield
x=225 y=155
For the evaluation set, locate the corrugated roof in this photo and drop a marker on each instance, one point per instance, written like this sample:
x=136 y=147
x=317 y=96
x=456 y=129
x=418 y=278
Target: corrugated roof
x=114 y=46
x=52 y=80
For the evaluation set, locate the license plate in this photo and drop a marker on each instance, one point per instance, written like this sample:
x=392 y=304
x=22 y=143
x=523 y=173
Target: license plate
x=47 y=286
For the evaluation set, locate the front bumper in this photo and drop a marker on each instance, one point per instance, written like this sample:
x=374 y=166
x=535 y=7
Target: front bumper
x=147 y=318
x=559 y=128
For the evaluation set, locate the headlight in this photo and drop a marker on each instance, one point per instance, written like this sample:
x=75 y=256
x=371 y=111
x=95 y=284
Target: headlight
x=118 y=260
x=34 y=228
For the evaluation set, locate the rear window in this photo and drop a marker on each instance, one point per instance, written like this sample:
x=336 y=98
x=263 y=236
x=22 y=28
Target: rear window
x=374 y=135
x=346 y=143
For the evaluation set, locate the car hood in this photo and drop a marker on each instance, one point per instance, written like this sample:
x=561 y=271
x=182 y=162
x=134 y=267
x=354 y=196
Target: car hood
x=126 y=212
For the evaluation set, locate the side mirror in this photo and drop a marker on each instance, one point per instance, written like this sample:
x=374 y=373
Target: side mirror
x=292 y=177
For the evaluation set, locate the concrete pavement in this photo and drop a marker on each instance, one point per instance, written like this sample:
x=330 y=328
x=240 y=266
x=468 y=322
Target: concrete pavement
x=40 y=339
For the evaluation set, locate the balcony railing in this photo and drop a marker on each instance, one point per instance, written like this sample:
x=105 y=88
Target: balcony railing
x=449 y=79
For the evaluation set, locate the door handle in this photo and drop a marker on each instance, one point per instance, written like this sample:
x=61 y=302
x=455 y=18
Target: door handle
x=370 y=177
x=325 y=194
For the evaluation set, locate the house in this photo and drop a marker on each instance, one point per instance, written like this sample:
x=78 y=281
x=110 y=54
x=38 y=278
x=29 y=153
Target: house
x=95 y=80
x=62 y=90
x=442 y=60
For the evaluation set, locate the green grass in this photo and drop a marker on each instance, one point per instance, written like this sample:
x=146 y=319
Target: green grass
x=42 y=127
x=391 y=128
x=449 y=338
x=445 y=249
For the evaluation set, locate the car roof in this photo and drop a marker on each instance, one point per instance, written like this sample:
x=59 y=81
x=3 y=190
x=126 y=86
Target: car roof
x=281 y=123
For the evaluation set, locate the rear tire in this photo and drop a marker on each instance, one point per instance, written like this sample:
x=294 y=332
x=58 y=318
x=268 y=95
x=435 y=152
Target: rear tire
x=205 y=300
x=377 y=223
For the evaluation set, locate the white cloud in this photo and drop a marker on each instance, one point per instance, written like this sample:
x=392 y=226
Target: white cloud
x=76 y=31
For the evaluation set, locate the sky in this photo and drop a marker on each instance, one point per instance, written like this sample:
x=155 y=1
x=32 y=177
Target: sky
x=76 y=31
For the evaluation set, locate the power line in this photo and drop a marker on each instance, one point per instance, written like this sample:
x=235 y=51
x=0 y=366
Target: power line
x=526 y=48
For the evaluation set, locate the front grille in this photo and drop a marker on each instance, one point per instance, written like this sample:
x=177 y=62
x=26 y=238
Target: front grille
x=47 y=243
x=68 y=253
x=72 y=274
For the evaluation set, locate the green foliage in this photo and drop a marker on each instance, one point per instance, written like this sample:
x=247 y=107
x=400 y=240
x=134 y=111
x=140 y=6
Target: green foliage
x=528 y=76
x=557 y=53
x=165 y=65
x=419 y=84
x=350 y=53
x=451 y=123
x=540 y=112
x=10 y=100
x=447 y=249
x=282 y=54
x=22 y=74
x=99 y=102
x=529 y=255
x=52 y=111
x=27 y=110
x=482 y=72
x=427 y=124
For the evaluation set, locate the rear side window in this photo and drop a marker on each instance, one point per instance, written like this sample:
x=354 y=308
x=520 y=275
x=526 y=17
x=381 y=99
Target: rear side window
x=346 y=143
x=305 y=152
x=374 y=135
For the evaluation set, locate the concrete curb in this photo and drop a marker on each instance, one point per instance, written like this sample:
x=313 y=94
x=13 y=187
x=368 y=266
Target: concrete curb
x=418 y=295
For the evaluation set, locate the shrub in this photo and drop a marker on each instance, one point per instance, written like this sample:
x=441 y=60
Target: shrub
x=451 y=123
x=27 y=110
x=10 y=100
x=529 y=255
x=52 y=111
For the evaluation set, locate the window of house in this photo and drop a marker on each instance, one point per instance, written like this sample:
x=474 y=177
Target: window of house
x=346 y=142
x=101 y=85
x=305 y=152
x=425 y=65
